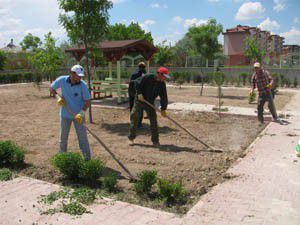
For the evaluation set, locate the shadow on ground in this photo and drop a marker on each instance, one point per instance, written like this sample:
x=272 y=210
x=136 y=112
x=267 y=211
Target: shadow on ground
x=122 y=129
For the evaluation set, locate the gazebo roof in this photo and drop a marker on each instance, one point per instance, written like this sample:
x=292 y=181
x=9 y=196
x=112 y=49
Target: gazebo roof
x=115 y=50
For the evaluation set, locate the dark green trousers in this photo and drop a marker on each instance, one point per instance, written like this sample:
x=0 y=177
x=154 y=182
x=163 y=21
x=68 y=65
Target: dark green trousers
x=266 y=97
x=135 y=117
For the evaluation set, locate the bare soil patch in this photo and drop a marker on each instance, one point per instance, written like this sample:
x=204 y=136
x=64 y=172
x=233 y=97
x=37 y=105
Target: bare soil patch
x=31 y=118
x=232 y=96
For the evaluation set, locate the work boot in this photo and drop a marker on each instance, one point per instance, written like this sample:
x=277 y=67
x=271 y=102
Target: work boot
x=277 y=121
x=131 y=142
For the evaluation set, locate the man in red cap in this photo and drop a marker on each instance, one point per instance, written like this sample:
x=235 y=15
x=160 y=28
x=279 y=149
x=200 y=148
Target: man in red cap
x=148 y=88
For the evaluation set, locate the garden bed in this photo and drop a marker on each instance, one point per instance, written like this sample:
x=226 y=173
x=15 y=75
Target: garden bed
x=31 y=118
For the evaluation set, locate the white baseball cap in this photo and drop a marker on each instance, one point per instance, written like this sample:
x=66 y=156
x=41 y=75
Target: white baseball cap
x=78 y=70
x=257 y=65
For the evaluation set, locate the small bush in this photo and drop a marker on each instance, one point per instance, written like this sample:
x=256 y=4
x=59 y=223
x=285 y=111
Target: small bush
x=295 y=83
x=244 y=77
x=171 y=192
x=68 y=164
x=5 y=174
x=110 y=182
x=11 y=154
x=91 y=170
x=146 y=179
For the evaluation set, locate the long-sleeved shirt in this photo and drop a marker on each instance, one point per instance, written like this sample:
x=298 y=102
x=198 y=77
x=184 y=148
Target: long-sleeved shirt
x=151 y=88
x=260 y=81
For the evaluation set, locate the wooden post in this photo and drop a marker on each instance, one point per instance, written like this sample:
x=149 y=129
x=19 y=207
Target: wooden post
x=119 y=80
x=110 y=69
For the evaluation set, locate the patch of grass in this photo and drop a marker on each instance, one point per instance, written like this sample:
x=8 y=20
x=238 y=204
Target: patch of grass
x=5 y=174
x=146 y=179
x=54 y=196
x=84 y=195
x=74 y=208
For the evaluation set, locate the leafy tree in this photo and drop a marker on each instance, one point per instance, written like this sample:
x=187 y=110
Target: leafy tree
x=120 y=31
x=183 y=48
x=30 y=42
x=2 y=59
x=165 y=54
x=47 y=61
x=205 y=38
x=86 y=23
x=252 y=51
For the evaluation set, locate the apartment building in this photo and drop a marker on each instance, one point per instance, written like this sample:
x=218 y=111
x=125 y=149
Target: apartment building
x=275 y=47
x=234 y=44
x=291 y=55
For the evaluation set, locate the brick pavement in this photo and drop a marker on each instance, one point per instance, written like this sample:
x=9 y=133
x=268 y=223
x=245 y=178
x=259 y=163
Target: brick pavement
x=265 y=191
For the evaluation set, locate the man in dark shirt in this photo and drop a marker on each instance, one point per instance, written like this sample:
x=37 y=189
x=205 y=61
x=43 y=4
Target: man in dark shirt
x=262 y=80
x=148 y=88
x=131 y=89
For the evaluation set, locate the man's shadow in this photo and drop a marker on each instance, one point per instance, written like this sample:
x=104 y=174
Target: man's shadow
x=171 y=148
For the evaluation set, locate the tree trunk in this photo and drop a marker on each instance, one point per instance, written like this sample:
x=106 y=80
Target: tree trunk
x=206 y=62
x=89 y=78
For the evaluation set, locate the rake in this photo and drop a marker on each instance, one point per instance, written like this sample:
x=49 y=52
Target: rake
x=209 y=148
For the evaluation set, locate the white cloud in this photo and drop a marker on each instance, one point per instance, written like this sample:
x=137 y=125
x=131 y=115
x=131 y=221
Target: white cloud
x=115 y=2
x=279 y=5
x=292 y=36
x=296 y=20
x=249 y=11
x=194 y=22
x=158 y=6
x=269 y=25
x=149 y=22
x=213 y=0
x=169 y=38
x=177 y=19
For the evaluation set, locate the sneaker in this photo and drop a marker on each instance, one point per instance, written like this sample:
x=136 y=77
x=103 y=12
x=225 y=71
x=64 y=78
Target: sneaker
x=131 y=142
x=156 y=144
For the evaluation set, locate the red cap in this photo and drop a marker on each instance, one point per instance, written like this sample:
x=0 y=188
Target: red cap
x=164 y=71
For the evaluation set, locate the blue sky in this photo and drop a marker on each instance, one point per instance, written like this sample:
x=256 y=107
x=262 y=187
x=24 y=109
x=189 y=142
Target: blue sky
x=166 y=19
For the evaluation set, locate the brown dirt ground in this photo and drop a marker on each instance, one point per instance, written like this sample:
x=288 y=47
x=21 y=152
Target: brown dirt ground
x=232 y=96
x=31 y=118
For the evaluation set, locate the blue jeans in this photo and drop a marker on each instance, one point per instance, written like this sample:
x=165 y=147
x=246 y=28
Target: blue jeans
x=65 y=125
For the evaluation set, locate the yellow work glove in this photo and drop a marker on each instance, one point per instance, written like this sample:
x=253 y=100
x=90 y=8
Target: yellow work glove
x=141 y=98
x=269 y=86
x=60 y=101
x=79 y=117
x=163 y=113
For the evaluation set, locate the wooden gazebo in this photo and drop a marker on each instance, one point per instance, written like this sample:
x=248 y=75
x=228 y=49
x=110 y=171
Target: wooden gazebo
x=113 y=51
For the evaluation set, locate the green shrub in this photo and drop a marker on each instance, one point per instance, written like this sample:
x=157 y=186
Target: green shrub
x=91 y=170
x=282 y=80
x=68 y=164
x=276 y=80
x=243 y=77
x=288 y=82
x=171 y=192
x=146 y=179
x=110 y=182
x=11 y=154
x=5 y=174
x=295 y=83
